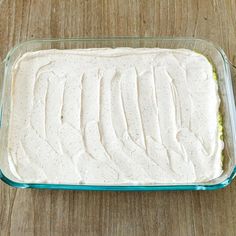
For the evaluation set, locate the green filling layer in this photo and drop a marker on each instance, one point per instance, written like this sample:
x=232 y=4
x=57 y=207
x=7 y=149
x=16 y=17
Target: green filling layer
x=220 y=119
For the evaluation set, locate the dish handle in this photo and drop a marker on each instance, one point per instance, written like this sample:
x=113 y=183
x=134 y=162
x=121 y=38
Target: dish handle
x=233 y=73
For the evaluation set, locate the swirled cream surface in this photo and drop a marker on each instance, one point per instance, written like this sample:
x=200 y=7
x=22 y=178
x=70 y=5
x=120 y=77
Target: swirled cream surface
x=114 y=116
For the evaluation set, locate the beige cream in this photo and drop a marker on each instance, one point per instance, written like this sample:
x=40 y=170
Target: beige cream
x=114 y=116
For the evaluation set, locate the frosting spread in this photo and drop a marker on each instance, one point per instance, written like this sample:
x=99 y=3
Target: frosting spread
x=114 y=116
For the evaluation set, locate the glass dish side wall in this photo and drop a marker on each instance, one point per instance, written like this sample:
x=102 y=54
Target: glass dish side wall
x=214 y=54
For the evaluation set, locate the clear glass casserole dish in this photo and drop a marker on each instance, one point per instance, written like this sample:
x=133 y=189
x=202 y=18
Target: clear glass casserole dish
x=214 y=53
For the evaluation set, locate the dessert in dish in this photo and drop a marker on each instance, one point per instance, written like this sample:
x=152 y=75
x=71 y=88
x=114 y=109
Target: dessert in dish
x=114 y=116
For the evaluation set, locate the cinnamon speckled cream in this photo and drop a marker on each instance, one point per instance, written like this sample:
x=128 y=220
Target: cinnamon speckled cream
x=114 y=116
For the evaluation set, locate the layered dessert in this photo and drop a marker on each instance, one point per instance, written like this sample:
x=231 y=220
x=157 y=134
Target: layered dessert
x=114 y=116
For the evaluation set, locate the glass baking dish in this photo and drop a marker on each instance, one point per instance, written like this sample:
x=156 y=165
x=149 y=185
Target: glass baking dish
x=214 y=53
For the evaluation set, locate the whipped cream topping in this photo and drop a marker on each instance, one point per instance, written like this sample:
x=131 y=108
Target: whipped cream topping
x=114 y=116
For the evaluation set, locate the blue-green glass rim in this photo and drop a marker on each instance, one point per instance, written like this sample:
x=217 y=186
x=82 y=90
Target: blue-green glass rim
x=120 y=188
x=180 y=187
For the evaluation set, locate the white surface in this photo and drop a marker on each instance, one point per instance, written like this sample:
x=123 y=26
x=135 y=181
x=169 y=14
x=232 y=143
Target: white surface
x=114 y=116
